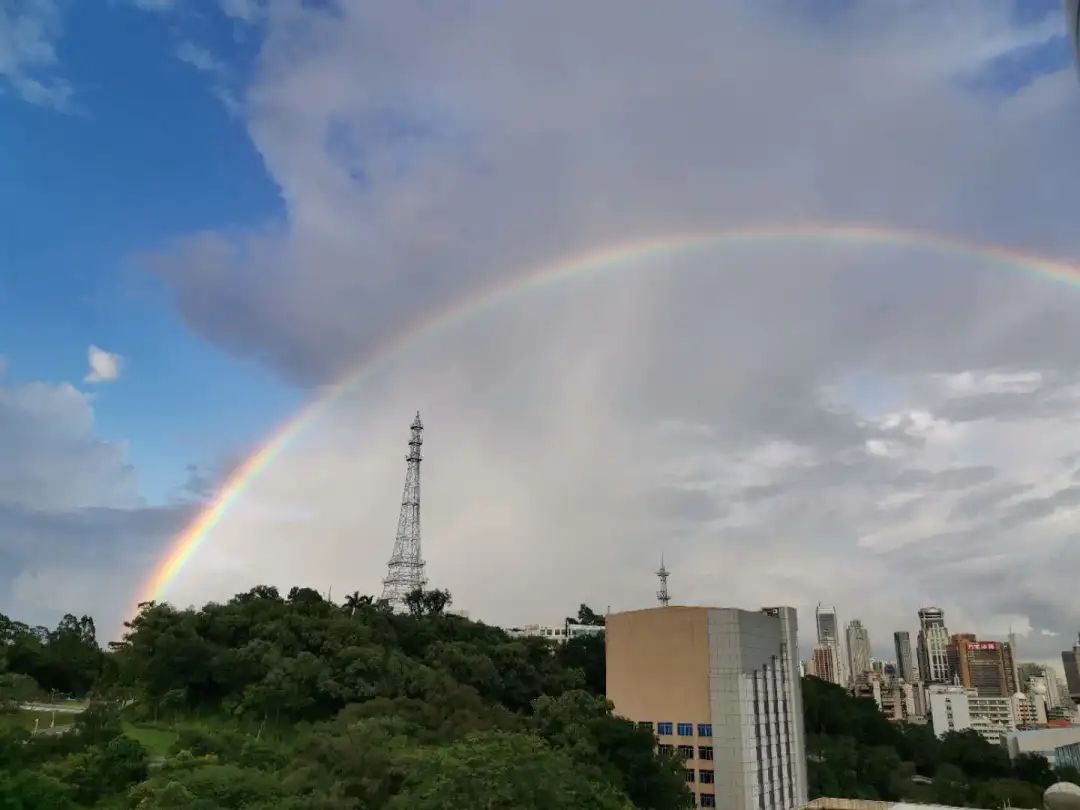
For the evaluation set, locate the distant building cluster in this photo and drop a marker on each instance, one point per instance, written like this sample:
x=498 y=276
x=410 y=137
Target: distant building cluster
x=721 y=688
x=558 y=633
x=955 y=682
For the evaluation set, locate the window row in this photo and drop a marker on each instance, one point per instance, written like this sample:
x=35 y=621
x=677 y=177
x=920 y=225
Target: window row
x=686 y=751
x=684 y=729
x=703 y=776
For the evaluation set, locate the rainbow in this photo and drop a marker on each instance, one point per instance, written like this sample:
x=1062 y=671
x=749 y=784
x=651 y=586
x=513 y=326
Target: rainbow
x=187 y=543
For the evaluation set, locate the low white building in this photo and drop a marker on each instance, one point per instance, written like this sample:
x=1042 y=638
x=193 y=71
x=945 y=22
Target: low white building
x=956 y=708
x=557 y=633
x=948 y=709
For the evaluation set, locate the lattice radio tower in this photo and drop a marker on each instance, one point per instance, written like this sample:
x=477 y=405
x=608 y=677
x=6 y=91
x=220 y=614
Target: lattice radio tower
x=662 y=595
x=406 y=568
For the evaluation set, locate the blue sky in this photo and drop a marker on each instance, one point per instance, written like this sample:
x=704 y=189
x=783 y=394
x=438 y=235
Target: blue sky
x=147 y=152
x=241 y=198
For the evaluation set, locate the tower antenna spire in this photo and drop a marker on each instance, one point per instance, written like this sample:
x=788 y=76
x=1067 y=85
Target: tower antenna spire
x=662 y=595
x=405 y=571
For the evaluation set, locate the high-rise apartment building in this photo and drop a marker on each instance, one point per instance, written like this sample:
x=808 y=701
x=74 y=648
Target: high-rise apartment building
x=1037 y=679
x=905 y=666
x=933 y=646
x=858 y=646
x=828 y=635
x=986 y=666
x=827 y=663
x=1070 y=659
x=722 y=685
x=827 y=627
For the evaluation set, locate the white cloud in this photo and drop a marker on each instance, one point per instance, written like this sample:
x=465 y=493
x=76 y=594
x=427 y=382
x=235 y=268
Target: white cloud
x=971 y=383
x=203 y=60
x=199 y=57
x=74 y=531
x=154 y=5
x=28 y=61
x=244 y=10
x=104 y=366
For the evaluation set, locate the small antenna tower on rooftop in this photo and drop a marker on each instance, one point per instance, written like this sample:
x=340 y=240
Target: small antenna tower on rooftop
x=662 y=595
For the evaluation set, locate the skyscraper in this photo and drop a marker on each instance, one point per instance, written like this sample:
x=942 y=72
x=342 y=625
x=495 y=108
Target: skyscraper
x=905 y=666
x=826 y=663
x=828 y=633
x=722 y=685
x=858 y=645
x=1070 y=659
x=985 y=666
x=827 y=630
x=933 y=645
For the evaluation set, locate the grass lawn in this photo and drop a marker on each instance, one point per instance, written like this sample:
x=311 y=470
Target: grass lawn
x=156 y=740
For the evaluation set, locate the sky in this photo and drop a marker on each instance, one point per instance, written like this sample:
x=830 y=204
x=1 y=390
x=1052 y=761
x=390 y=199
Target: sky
x=214 y=211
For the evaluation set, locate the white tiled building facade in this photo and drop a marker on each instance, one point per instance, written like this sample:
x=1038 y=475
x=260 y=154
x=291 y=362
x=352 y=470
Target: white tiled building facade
x=956 y=708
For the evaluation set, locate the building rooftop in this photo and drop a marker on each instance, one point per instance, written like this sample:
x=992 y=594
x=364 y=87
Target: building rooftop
x=825 y=803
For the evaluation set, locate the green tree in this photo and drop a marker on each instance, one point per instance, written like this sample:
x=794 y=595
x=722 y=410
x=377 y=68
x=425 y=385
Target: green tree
x=582 y=725
x=586 y=653
x=586 y=615
x=950 y=786
x=502 y=771
x=974 y=755
x=1006 y=793
x=210 y=786
x=29 y=790
x=427 y=603
x=1067 y=773
x=1035 y=769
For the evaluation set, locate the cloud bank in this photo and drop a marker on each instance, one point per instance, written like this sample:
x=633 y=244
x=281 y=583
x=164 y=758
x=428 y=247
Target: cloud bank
x=74 y=532
x=789 y=422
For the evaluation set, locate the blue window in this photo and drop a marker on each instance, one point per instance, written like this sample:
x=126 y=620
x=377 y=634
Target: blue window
x=704 y=752
x=663 y=729
x=686 y=751
x=686 y=729
x=704 y=729
x=689 y=775
x=664 y=750
x=645 y=724
x=708 y=800
x=705 y=777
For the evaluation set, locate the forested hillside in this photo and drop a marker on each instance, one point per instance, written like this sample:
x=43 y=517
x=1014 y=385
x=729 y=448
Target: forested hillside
x=271 y=701
x=296 y=702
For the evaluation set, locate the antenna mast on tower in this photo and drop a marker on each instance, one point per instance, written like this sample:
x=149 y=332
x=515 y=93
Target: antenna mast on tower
x=662 y=594
x=406 y=568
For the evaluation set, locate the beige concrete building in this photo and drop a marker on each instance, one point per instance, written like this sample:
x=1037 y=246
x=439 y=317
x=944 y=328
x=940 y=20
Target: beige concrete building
x=721 y=686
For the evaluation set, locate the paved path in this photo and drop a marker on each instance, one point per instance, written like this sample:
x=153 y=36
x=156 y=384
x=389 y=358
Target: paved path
x=59 y=708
